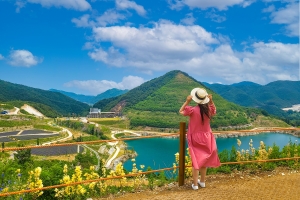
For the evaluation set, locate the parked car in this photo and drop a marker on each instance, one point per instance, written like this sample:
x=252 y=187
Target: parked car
x=4 y=112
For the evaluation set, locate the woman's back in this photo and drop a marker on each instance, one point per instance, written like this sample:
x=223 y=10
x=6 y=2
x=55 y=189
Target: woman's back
x=196 y=124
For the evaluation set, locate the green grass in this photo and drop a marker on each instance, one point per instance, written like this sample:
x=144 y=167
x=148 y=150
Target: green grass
x=47 y=127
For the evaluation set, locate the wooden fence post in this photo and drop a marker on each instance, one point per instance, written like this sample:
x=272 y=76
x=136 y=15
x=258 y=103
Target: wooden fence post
x=181 y=154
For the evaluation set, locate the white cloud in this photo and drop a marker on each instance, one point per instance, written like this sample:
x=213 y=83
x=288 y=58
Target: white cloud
x=288 y=16
x=23 y=58
x=163 y=44
x=107 y=18
x=19 y=4
x=126 y=4
x=204 y=4
x=80 y=5
x=215 y=17
x=88 y=45
x=83 y=21
x=271 y=8
x=1 y=57
x=188 y=20
x=271 y=61
x=167 y=46
x=96 y=87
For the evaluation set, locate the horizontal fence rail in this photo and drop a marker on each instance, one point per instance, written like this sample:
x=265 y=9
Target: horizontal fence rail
x=133 y=174
x=89 y=142
x=86 y=181
x=181 y=167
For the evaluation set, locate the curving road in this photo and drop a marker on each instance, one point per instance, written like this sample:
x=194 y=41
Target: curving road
x=108 y=163
x=116 y=152
x=15 y=112
x=96 y=153
x=60 y=140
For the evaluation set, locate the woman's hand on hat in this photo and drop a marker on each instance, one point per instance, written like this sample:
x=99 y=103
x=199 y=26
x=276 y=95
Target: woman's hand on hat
x=210 y=98
x=189 y=98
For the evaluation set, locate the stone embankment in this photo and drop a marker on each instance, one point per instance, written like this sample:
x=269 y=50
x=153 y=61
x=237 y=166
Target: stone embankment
x=230 y=134
x=122 y=159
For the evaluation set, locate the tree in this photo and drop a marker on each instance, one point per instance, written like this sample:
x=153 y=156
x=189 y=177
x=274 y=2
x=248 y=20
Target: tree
x=23 y=156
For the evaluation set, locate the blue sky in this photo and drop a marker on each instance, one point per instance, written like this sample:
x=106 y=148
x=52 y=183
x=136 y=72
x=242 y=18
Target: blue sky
x=90 y=46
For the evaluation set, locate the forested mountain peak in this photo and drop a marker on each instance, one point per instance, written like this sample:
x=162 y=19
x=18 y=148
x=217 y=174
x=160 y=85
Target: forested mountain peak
x=51 y=104
x=156 y=103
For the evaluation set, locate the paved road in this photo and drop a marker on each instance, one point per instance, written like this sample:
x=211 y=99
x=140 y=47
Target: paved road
x=60 y=140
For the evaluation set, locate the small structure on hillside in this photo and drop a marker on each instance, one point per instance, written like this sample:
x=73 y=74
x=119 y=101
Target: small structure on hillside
x=94 y=113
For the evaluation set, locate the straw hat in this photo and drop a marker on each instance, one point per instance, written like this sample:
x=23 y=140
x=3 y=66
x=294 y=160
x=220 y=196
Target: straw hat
x=200 y=95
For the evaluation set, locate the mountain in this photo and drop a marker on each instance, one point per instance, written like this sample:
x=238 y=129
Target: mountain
x=78 y=97
x=92 y=99
x=108 y=94
x=271 y=97
x=51 y=104
x=156 y=103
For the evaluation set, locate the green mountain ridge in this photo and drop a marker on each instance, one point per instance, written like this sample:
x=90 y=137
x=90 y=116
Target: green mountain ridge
x=281 y=94
x=51 y=104
x=156 y=103
x=89 y=99
x=271 y=97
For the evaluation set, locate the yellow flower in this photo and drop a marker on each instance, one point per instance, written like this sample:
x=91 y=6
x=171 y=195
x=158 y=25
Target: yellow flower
x=65 y=169
x=174 y=165
x=92 y=168
x=177 y=157
x=92 y=185
x=239 y=142
x=5 y=190
x=66 y=179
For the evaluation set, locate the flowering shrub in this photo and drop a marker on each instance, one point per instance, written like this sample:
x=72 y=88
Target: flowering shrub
x=13 y=179
x=34 y=182
x=251 y=154
x=74 y=192
x=188 y=162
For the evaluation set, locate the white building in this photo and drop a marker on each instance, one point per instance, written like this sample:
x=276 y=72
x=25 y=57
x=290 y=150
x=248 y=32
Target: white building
x=94 y=113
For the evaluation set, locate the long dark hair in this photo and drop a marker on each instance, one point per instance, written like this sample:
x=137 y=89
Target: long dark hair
x=204 y=109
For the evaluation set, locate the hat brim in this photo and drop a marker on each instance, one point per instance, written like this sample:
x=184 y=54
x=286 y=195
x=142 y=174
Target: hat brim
x=204 y=101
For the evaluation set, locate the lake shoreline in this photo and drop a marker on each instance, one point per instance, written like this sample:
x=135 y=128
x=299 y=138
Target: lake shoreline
x=241 y=134
x=218 y=134
x=232 y=134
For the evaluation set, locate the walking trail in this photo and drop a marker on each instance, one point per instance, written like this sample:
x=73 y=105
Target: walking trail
x=281 y=184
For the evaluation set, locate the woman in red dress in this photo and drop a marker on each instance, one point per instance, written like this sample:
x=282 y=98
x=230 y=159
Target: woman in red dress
x=201 y=141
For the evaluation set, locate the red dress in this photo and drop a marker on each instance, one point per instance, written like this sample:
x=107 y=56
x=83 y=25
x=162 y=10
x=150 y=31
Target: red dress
x=201 y=141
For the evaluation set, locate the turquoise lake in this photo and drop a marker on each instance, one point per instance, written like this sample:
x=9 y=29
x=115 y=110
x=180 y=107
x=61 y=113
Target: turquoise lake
x=159 y=152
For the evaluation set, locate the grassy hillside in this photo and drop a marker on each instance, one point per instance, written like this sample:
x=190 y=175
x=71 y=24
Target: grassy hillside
x=49 y=103
x=156 y=103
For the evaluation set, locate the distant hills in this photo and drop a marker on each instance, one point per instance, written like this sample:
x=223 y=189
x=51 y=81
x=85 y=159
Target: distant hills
x=271 y=97
x=51 y=104
x=156 y=103
x=92 y=99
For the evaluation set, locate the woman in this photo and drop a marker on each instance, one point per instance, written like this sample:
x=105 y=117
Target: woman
x=201 y=141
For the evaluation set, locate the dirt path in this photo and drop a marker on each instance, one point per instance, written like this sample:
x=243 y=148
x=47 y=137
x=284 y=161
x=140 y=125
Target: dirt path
x=280 y=184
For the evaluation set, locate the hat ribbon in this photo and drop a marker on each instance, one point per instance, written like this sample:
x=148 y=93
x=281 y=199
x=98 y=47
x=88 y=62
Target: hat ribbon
x=199 y=97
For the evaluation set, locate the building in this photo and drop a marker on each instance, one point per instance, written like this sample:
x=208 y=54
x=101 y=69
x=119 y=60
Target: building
x=94 y=113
